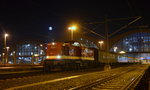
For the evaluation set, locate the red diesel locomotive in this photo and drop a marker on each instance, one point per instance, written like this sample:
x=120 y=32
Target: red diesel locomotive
x=68 y=55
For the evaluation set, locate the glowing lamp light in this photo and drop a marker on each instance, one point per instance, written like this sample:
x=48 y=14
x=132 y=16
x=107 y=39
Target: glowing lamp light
x=115 y=49
x=53 y=43
x=7 y=48
x=122 y=52
x=41 y=45
x=36 y=55
x=47 y=57
x=58 y=57
x=72 y=28
x=101 y=42
x=6 y=35
x=50 y=28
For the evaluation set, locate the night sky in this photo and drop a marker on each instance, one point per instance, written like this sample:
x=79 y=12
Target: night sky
x=31 y=18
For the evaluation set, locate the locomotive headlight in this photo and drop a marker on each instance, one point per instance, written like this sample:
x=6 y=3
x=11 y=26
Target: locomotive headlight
x=47 y=57
x=53 y=43
x=58 y=57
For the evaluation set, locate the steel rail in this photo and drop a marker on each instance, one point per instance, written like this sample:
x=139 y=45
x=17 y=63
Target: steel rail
x=99 y=81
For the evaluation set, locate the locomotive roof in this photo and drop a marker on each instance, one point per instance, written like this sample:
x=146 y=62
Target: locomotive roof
x=74 y=43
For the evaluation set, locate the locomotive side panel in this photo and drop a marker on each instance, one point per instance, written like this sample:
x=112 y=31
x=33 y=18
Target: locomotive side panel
x=68 y=57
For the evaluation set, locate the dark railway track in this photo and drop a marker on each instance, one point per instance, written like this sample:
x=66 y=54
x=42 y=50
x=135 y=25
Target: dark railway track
x=18 y=74
x=114 y=82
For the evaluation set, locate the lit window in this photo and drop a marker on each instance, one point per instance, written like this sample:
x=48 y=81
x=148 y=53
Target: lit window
x=76 y=44
x=11 y=54
x=130 y=49
x=19 y=53
x=28 y=45
x=31 y=53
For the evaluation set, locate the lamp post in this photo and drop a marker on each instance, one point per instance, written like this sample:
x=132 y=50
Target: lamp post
x=14 y=57
x=5 y=49
x=72 y=28
x=5 y=36
x=7 y=54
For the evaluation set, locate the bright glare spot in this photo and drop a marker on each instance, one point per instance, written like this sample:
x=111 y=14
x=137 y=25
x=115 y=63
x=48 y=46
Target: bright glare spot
x=58 y=57
x=10 y=62
x=101 y=42
x=115 y=49
x=28 y=45
x=6 y=35
x=11 y=54
x=3 y=54
x=41 y=52
x=50 y=28
x=13 y=51
x=76 y=44
x=130 y=49
x=122 y=52
x=7 y=48
x=19 y=53
x=72 y=28
x=36 y=55
x=31 y=53
x=41 y=45
x=53 y=43
x=47 y=57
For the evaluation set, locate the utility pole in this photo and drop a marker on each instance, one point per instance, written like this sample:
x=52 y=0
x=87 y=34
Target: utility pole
x=107 y=66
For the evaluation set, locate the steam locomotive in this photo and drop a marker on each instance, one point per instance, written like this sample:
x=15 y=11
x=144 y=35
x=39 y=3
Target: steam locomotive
x=72 y=55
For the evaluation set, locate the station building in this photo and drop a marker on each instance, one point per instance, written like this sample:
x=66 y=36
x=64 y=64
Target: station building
x=27 y=52
x=135 y=44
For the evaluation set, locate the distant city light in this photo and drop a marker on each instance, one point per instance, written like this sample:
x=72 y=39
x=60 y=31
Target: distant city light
x=19 y=53
x=41 y=45
x=50 y=28
x=122 y=52
x=28 y=45
x=130 y=49
x=115 y=49
x=36 y=55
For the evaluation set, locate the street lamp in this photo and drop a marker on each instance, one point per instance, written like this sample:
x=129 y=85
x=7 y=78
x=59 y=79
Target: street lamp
x=5 y=36
x=72 y=28
x=5 y=49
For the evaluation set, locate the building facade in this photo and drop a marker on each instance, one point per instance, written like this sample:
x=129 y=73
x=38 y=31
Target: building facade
x=136 y=46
